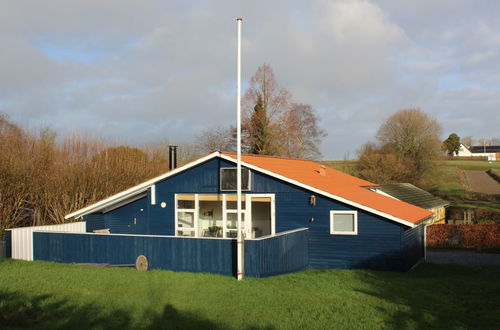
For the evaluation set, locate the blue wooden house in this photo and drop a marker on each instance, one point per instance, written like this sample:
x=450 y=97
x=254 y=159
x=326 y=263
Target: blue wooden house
x=296 y=214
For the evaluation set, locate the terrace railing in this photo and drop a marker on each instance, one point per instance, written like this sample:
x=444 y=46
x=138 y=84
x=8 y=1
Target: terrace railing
x=280 y=253
x=265 y=256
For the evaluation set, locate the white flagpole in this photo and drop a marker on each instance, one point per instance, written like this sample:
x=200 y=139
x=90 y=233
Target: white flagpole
x=239 y=243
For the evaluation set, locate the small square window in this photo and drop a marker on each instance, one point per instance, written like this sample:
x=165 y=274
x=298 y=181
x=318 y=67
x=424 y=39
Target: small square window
x=343 y=222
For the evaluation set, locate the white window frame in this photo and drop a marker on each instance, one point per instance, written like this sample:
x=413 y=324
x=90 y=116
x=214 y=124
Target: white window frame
x=246 y=214
x=332 y=228
x=249 y=212
x=242 y=188
x=195 y=212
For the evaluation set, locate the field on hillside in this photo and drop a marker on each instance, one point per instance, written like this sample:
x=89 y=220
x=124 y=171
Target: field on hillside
x=45 y=295
x=346 y=166
x=472 y=164
x=447 y=179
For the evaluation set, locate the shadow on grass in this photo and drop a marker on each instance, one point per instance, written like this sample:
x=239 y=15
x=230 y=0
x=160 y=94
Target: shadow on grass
x=437 y=297
x=48 y=312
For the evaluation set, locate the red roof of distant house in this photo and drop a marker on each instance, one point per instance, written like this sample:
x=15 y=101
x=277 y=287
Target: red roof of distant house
x=336 y=183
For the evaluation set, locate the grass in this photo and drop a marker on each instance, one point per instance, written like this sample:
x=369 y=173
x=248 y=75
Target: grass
x=477 y=165
x=44 y=295
x=448 y=178
x=486 y=205
x=346 y=166
x=449 y=181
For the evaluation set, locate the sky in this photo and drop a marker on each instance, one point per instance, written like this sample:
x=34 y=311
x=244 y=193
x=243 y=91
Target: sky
x=143 y=71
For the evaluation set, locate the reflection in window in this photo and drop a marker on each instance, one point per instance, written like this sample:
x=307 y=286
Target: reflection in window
x=343 y=222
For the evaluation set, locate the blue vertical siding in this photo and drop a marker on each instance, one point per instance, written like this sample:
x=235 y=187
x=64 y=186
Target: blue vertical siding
x=93 y=222
x=131 y=218
x=171 y=253
x=379 y=243
x=128 y=219
x=276 y=255
x=268 y=256
x=413 y=245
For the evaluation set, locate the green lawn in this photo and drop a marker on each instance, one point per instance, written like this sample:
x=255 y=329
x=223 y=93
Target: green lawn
x=56 y=296
x=486 y=205
x=449 y=181
x=472 y=164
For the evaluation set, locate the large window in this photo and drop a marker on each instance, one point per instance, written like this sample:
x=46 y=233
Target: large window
x=343 y=222
x=228 y=179
x=215 y=215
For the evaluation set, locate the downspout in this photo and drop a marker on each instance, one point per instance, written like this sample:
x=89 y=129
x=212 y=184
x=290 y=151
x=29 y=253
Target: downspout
x=425 y=236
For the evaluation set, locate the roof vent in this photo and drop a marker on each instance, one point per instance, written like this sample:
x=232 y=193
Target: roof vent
x=322 y=170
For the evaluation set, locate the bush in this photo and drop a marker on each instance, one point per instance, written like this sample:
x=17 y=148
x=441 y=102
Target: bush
x=470 y=236
x=42 y=179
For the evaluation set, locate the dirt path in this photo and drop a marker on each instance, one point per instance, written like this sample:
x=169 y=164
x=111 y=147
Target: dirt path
x=481 y=182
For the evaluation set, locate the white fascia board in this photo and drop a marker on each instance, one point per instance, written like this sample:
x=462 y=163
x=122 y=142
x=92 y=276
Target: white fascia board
x=136 y=189
x=324 y=193
x=123 y=202
x=153 y=194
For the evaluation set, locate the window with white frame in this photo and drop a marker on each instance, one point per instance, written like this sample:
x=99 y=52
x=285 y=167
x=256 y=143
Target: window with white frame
x=343 y=222
x=186 y=215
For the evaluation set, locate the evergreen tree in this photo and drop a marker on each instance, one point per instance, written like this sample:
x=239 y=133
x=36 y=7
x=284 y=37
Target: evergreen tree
x=259 y=130
x=452 y=144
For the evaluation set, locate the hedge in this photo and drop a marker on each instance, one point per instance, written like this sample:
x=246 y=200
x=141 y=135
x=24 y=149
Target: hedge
x=469 y=236
x=471 y=158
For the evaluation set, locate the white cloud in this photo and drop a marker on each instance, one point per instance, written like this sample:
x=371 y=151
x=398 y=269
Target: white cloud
x=140 y=71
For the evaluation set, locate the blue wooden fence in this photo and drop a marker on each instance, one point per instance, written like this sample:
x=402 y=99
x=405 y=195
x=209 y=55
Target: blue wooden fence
x=271 y=255
x=163 y=252
x=285 y=252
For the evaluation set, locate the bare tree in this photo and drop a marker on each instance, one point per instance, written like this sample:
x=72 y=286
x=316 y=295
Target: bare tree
x=42 y=179
x=413 y=138
x=274 y=124
x=468 y=140
x=275 y=99
x=300 y=132
x=216 y=139
x=494 y=141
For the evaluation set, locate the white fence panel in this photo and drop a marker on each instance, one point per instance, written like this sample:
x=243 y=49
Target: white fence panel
x=22 y=238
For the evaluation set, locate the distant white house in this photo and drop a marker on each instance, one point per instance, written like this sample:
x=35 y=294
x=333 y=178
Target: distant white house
x=492 y=152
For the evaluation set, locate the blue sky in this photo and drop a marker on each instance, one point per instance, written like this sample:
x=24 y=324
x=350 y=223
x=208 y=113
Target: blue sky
x=146 y=71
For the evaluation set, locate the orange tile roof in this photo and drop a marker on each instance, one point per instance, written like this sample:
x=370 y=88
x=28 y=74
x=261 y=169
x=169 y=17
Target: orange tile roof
x=337 y=183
